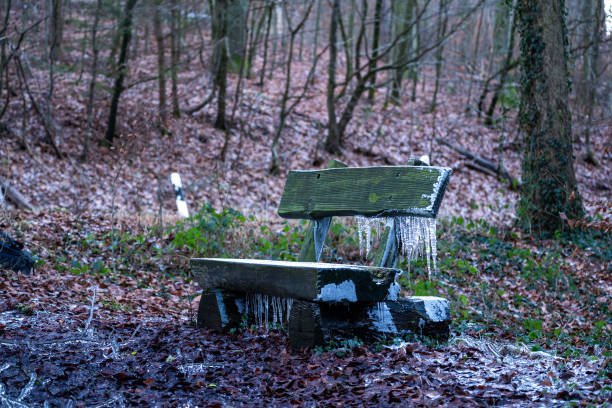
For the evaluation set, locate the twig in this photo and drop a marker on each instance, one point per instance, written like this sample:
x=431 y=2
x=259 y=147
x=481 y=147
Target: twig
x=91 y=310
x=135 y=332
x=47 y=121
x=28 y=388
x=6 y=401
x=69 y=340
x=201 y=105
x=499 y=170
x=118 y=398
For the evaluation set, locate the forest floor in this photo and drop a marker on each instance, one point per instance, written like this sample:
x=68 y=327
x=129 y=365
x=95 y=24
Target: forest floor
x=107 y=316
x=107 y=319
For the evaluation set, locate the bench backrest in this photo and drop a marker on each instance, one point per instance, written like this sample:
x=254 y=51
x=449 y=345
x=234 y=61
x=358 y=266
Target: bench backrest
x=368 y=191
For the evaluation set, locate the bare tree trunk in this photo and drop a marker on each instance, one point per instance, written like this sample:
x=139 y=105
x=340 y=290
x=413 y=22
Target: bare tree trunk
x=285 y=110
x=507 y=63
x=317 y=28
x=278 y=33
x=54 y=40
x=593 y=20
x=270 y=10
x=175 y=47
x=236 y=33
x=3 y=56
x=416 y=44
x=346 y=48
x=43 y=111
x=402 y=14
x=332 y=142
x=254 y=38
x=93 y=73
x=56 y=29
x=146 y=37
x=375 y=45
x=350 y=32
x=221 y=62
x=474 y=58
x=442 y=22
x=126 y=36
x=161 y=67
x=241 y=71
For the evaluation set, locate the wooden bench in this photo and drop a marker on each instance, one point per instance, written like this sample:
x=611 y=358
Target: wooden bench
x=318 y=298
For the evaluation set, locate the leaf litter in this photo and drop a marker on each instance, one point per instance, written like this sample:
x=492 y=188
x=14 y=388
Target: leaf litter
x=133 y=342
x=126 y=339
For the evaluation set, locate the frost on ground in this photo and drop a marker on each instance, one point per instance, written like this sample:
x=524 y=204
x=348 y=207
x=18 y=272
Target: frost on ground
x=46 y=360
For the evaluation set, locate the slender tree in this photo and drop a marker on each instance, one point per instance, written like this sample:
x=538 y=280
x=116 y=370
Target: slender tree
x=333 y=140
x=4 y=57
x=549 y=189
x=286 y=106
x=93 y=72
x=56 y=28
x=126 y=35
x=593 y=31
x=442 y=26
x=236 y=34
x=175 y=47
x=507 y=65
x=354 y=87
x=268 y=12
x=161 y=66
x=402 y=16
x=221 y=58
x=375 y=44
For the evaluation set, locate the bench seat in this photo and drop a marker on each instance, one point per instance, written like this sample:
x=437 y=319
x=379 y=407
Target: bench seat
x=310 y=281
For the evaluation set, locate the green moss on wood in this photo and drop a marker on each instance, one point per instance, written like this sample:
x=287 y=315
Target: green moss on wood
x=367 y=191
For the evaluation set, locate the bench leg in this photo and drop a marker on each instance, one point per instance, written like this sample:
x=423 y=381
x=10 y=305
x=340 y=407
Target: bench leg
x=305 y=325
x=219 y=310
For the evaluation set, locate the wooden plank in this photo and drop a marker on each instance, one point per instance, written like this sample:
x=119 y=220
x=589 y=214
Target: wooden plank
x=367 y=191
x=311 y=281
x=308 y=252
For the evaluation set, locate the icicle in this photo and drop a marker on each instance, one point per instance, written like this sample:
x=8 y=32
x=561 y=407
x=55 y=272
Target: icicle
x=266 y=310
x=364 y=231
x=361 y=230
x=274 y=311
x=417 y=236
x=258 y=306
x=320 y=231
x=288 y=305
x=382 y=318
x=380 y=311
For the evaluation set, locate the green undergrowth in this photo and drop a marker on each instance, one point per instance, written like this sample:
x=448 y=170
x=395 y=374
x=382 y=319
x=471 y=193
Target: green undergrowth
x=128 y=249
x=500 y=282
x=549 y=294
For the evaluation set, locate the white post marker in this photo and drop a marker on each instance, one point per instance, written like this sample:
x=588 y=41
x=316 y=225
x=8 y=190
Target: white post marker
x=181 y=204
x=425 y=159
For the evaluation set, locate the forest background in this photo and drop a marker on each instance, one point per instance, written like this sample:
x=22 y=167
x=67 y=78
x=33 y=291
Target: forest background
x=100 y=100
